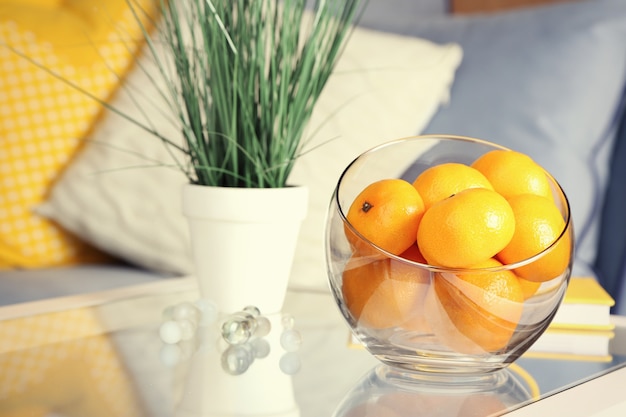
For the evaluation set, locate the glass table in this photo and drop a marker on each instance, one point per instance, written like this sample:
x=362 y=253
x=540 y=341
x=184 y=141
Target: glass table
x=102 y=355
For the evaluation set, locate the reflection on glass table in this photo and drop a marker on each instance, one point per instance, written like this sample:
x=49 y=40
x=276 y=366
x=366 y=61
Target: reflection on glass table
x=109 y=359
x=383 y=391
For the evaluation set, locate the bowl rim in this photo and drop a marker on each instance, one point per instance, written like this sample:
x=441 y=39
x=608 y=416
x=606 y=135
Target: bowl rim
x=442 y=269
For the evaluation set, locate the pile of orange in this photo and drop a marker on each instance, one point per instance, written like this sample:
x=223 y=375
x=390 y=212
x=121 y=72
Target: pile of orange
x=474 y=217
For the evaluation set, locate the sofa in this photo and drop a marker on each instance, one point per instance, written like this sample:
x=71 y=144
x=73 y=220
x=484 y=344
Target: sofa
x=96 y=212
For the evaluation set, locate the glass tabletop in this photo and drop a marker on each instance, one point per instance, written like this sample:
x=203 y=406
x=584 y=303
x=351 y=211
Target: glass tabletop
x=106 y=356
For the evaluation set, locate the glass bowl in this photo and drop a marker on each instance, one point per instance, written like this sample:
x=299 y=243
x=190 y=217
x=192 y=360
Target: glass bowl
x=427 y=319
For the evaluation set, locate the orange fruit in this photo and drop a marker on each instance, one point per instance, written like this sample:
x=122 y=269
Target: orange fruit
x=387 y=213
x=383 y=293
x=512 y=173
x=418 y=322
x=529 y=288
x=413 y=254
x=466 y=229
x=441 y=181
x=538 y=224
x=483 y=306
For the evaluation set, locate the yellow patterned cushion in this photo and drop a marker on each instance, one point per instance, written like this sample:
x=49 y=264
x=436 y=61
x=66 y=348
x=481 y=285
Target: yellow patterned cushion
x=42 y=119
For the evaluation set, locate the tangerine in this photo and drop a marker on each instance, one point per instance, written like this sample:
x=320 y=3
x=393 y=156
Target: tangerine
x=418 y=322
x=387 y=213
x=385 y=292
x=512 y=173
x=413 y=254
x=466 y=229
x=484 y=306
x=538 y=225
x=529 y=288
x=441 y=181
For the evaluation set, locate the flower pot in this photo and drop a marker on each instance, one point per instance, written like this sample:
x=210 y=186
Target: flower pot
x=243 y=242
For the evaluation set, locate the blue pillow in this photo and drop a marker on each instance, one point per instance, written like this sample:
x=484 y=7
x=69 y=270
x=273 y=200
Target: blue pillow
x=546 y=81
x=611 y=259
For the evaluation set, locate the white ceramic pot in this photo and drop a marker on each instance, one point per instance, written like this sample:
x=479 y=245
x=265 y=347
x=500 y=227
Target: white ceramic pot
x=243 y=242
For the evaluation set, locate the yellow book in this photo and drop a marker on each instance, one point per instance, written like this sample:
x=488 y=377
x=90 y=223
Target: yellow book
x=586 y=305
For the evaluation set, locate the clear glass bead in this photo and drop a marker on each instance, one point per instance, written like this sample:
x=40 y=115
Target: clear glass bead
x=237 y=330
x=290 y=363
x=208 y=311
x=287 y=321
x=237 y=359
x=260 y=348
x=263 y=327
x=186 y=311
x=246 y=317
x=170 y=332
x=253 y=310
x=291 y=340
x=188 y=329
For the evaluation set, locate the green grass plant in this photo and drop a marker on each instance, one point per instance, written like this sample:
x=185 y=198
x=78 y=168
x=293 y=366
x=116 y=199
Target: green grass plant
x=245 y=78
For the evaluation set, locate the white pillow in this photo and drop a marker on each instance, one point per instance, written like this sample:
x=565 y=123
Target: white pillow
x=385 y=86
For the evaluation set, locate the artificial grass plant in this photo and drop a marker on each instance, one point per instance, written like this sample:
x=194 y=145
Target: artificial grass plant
x=245 y=78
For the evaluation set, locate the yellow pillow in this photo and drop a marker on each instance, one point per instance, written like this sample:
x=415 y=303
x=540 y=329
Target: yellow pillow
x=42 y=119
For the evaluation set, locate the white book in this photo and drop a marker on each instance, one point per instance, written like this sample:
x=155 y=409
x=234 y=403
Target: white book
x=573 y=344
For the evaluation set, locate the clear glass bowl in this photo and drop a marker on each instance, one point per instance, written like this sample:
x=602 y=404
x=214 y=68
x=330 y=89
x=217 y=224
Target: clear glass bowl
x=422 y=318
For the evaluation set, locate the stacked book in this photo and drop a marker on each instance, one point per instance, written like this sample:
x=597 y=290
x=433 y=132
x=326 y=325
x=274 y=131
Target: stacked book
x=581 y=328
